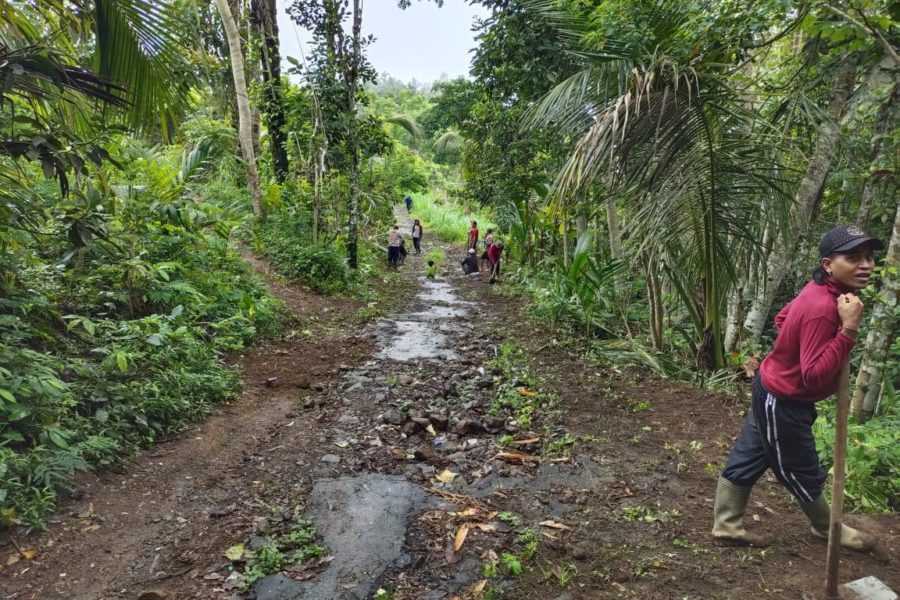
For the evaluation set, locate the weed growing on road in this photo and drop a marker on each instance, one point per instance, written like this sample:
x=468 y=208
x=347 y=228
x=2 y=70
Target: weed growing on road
x=292 y=548
x=649 y=514
x=265 y=561
x=518 y=393
x=560 y=446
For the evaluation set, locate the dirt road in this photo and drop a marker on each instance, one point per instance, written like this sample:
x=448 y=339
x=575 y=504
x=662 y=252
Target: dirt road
x=453 y=448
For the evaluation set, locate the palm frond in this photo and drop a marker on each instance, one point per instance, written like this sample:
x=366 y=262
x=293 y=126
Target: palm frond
x=137 y=46
x=36 y=72
x=408 y=124
x=449 y=141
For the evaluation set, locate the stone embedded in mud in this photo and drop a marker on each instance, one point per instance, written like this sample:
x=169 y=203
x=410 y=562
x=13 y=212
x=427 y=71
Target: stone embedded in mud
x=331 y=459
x=494 y=424
x=412 y=427
x=423 y=453
x=423 y=422
x=467 y=426
x=439 y=420
x=392 y=416
x=278 y=587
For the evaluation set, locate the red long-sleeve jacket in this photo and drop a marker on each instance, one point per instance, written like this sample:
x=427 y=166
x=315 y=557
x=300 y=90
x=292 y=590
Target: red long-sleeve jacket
x=809 y=351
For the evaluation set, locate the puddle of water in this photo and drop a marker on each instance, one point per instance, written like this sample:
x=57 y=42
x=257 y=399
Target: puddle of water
x=440 y=292
x=421 y=334
x=439 y=312
x=412 y=340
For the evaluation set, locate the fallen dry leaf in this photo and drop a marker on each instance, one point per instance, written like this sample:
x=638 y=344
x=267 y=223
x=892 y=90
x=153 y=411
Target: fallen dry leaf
x=554 y=525
x=446 y=476
x=525 y=442
x=236 y=552
x=518 y=458
x=460 y=538
x=13 y=559
x=478 y=588
x=485 y=527
x=524 y=391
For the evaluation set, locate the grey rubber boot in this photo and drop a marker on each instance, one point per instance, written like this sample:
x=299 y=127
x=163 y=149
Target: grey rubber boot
x=728 y=516
x=819 y=514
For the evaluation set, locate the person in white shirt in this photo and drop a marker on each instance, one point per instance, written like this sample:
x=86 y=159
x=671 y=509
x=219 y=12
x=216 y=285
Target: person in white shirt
x=417 y=236
x=395 y=238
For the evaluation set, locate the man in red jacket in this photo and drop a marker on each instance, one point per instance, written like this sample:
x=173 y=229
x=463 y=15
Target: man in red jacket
x=816 y=332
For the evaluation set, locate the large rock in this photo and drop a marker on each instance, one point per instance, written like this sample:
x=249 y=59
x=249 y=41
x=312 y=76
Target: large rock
x=393 y=416
x=363 y=522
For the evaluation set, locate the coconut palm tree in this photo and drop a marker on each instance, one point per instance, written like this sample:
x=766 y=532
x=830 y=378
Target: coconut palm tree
x=656 y=119
x=135 y=45
x=51 y=98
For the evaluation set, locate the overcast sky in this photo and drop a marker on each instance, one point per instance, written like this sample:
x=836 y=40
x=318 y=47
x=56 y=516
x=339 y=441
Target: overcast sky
x=422 y=42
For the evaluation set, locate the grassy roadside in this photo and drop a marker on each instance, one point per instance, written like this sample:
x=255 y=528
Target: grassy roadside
x=447 y=220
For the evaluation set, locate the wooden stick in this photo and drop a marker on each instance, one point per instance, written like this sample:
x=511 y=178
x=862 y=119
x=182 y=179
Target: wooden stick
x=832 y=560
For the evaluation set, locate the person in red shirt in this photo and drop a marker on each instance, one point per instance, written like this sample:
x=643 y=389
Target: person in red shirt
x=473 y=237
x=494 y=251
x=816 y=331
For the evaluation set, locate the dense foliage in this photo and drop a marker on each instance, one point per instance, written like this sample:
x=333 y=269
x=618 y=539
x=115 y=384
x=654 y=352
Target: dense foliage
x=659 y=170
x=662 y=171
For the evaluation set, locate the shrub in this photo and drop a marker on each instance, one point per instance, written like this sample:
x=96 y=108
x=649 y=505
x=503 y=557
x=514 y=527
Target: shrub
x=108 y=352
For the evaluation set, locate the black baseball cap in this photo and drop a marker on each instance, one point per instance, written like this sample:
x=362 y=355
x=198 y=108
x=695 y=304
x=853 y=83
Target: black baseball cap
x=844 y=238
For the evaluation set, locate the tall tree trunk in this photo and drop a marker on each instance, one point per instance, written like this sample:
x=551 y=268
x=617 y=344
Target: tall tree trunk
x=734 y=316
x=805 y=200
x=615 y=235
x=881 y=327
x=581 y=223
x=352 y=76
x=318 y=174
x=654 y=295
x=885 y=126
x=266 y=21
x=245 y=132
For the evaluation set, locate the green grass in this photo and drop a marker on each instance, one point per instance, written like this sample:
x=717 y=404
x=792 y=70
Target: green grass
x=448 y=220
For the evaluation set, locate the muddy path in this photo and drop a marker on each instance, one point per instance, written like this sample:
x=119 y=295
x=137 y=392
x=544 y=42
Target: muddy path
x=454 y=448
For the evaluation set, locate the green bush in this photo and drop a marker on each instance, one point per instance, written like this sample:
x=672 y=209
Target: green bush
x=284 y=240
x=107 y=346
x=873 y=458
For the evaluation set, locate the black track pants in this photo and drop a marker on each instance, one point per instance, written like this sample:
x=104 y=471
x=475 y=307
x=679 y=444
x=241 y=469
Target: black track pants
x=777 y=434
